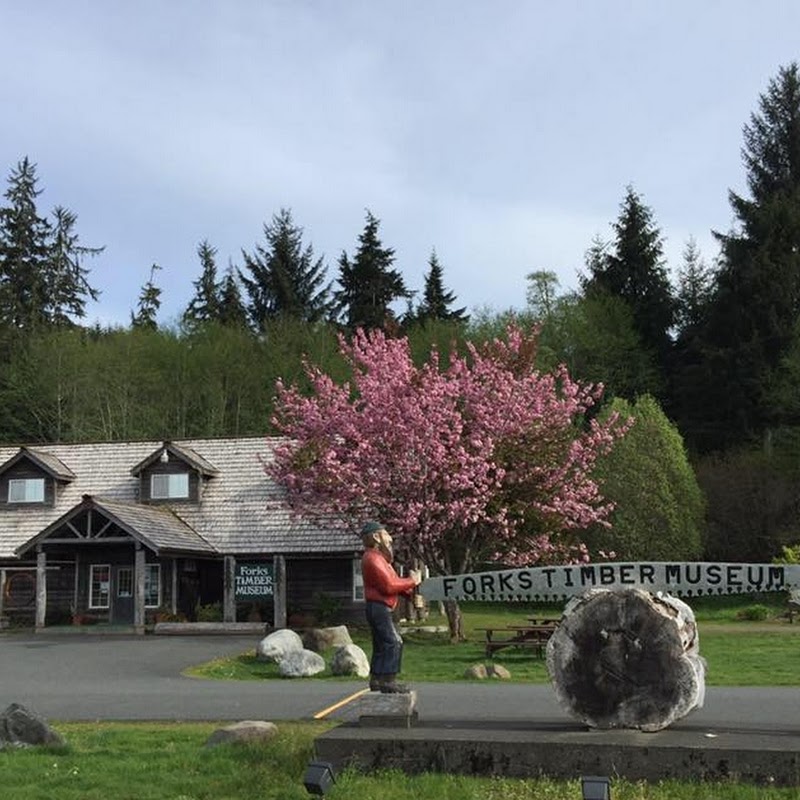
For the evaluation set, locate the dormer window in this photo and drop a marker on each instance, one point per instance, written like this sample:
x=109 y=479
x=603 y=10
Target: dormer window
x=26 y=490
x=171 y=486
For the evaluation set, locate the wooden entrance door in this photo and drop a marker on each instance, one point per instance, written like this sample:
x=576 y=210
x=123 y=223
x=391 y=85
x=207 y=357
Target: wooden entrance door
x=122 y=595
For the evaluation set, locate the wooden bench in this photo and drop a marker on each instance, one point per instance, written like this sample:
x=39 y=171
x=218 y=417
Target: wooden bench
x=525 y=637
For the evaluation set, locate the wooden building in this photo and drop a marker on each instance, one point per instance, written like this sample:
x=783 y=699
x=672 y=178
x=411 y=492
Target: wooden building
x=125 y=533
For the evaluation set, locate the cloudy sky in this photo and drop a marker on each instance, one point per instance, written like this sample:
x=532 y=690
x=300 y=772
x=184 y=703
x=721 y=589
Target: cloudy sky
x=501 y=133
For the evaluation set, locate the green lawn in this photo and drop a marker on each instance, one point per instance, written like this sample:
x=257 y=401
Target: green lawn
x=150 y=761
x=738 y=653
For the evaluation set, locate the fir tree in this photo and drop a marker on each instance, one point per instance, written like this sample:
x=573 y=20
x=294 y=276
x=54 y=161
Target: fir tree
x=634 y=270
x=436 y=300
x=232 y=312
x=204 y=306
x=149 y=303
x=368 y=282
x=284 y=278
x=695 y=283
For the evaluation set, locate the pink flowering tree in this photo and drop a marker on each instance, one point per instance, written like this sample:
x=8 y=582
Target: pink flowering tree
x=478 y=460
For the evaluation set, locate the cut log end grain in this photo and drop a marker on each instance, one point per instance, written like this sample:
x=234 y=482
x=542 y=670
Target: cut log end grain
x=627 y=659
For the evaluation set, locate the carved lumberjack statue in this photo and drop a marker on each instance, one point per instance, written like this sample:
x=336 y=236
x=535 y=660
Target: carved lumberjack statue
x=626 y=652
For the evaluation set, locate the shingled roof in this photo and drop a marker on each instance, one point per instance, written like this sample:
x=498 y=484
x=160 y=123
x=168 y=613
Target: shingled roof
x=242 y=509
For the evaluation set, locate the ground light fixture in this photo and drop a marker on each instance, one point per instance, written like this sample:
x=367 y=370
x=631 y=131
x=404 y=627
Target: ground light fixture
x=594 y=787
x=319 y=777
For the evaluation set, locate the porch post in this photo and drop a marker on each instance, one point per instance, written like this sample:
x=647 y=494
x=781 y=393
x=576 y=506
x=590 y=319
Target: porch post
x=76 y=582
x=174 y=594
x=229 y=590
x=138 y=580
x=2 y=593
x=279 y=598
x=41 y=587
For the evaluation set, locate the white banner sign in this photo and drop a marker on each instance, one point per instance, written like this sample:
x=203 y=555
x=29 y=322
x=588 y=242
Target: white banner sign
x=682 y=578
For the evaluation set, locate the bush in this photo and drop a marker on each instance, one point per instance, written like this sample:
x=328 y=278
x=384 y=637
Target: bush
x=210 y=613
x=755 y=613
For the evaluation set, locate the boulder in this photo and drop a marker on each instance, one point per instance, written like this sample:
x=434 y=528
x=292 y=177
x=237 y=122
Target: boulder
x=20 y=727
x=627 y=659
x=278 y=645
x=478 y=671
x=350 y=659
x=240 y=732
x=301 y=664
x=321 y=639
x=498 y=671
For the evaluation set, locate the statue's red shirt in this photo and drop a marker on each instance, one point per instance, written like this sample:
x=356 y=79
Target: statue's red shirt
x=381 y=583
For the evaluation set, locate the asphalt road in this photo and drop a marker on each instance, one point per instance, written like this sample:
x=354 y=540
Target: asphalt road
x=92 y=677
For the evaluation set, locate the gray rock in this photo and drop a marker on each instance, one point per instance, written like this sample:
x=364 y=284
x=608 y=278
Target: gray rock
x=301 y=664
x=321 y=639
x=350 y=659
x=20 y=727
x=477 y=671
x=278 y=645
x=498 y=671
x=240 y=732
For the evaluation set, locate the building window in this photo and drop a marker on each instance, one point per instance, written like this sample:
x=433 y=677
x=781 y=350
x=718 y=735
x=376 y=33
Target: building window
x=152 y=585
x=26 y=490
x=358 y=580
x=99 y=581
x=169 y=486
x=124 y=582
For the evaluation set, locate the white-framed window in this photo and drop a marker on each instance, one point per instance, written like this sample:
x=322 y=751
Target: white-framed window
x=26 y=490
x=99 y=585
x=166 y=486
x=358 y=581
x=152 y=585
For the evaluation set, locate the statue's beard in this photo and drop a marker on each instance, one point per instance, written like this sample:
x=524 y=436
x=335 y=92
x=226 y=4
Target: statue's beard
x=388 y=554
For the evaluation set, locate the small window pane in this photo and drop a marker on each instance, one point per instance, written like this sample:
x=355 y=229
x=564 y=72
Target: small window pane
x=100 y=579
x=358 y=580
x=26 y=490
x=152 y=585
x=169 y=486
x=124 y=582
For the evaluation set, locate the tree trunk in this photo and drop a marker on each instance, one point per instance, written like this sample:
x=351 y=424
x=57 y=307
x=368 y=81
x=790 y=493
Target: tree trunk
x=627 y=659
x=455 y=621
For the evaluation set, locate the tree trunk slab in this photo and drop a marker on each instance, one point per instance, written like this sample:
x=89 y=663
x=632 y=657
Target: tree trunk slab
x=627 y=659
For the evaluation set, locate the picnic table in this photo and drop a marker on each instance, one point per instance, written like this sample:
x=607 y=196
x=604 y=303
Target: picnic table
x=530 y=636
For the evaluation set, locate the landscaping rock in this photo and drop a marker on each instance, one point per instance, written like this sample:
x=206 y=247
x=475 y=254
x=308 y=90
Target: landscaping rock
x=278 y=645
x=242 y=732
x=350 y=659
x=301 y=664
x=20 y=727
x=477 y=671
x=321 y=639
x=498 y=671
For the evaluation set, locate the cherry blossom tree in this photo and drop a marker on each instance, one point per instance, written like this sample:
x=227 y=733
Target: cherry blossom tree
x=473 y=459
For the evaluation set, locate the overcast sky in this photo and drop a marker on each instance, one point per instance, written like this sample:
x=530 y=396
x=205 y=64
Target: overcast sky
x=501 y=133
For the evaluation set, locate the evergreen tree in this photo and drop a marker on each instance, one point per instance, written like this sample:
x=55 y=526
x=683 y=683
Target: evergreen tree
x=727 y=366
x=694 y=288
x=232 y=312
x=284 y=279
x=436 y=300
x=149 y=303
x=368 y=283
x=41 y=277
x=634 y=270
x=204 y=306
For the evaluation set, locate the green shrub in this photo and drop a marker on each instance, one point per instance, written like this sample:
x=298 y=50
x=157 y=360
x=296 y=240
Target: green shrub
x=210 y=613
x=755 y=613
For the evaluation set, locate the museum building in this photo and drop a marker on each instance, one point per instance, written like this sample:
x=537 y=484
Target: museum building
x=127 y=533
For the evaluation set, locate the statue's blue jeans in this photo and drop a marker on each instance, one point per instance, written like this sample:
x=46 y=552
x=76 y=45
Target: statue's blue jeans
x=387 y=644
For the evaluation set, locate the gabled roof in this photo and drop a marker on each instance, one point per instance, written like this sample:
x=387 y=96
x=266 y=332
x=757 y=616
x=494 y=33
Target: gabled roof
x=182 y=452
x=47 y=462
x=243 y=511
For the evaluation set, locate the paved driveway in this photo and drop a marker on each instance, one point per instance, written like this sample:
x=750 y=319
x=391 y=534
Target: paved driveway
x=87 y=677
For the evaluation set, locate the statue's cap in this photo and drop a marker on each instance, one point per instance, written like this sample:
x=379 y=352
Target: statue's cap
x=371 y=527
